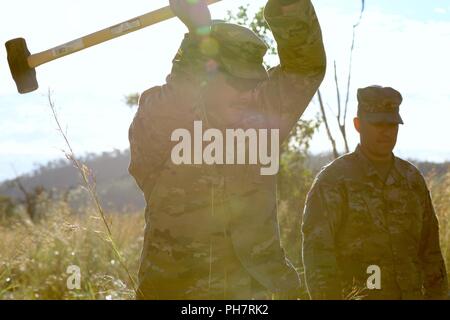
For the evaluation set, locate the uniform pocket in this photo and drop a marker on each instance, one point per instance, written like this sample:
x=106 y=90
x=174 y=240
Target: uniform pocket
x=358 y=212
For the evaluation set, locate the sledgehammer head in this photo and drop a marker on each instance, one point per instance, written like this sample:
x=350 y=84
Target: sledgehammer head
x=23 y=75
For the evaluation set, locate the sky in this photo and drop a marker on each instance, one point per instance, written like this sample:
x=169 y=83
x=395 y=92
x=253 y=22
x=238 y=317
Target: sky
x=404 y=44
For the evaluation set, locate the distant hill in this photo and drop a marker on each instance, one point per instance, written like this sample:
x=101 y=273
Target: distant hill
x=317 y=161
x=116 y=188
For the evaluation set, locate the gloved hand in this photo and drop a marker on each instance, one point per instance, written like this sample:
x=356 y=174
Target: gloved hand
x=194 y=14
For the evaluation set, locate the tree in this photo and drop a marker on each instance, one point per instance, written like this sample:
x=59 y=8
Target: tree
x=7 y=207
x=31 y=200
x=132 y=99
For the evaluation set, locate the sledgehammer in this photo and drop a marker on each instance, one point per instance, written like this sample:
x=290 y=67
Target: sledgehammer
x=22 y=64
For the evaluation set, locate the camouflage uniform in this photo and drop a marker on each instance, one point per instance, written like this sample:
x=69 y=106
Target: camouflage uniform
x=354 y=219
x=211 y=231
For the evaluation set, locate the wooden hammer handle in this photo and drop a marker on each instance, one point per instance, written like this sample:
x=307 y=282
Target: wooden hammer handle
x=104 y=35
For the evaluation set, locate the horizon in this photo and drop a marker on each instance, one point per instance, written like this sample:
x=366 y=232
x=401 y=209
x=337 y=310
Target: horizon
x=88 y=157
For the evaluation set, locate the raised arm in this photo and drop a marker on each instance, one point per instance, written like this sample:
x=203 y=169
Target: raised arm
x=165 y=108
x=302 y=67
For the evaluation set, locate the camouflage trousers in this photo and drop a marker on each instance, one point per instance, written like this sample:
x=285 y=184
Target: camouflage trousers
x=233 y=286
x=202 y=270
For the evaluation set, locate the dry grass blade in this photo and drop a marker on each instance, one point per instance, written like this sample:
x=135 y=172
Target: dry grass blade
x=89 y=184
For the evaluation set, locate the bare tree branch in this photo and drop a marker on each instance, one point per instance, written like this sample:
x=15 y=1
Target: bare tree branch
x=340 y=120
x=338 y=93
x=325 y=121
x=355 y=26
x=341 y=116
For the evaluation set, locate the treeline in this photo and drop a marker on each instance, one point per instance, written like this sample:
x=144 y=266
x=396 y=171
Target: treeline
x=60 y=180
x=116 y=188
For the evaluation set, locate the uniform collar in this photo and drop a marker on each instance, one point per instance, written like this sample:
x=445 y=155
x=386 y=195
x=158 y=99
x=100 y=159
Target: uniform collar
x=396 y=174
x=368 y=168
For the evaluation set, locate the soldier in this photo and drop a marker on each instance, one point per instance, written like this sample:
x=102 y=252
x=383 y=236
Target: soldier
x=211 y=230
x=369 y=227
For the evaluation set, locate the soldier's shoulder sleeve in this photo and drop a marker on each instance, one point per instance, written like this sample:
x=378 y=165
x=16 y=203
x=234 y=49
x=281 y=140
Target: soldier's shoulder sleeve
x=321 y=221
x=161 y=110
x=334 y=172
x=327 y=196
x=411 y=173
x=143 y=160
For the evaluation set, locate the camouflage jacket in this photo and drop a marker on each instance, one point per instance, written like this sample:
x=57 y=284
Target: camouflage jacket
x=211 y=231
x=352 y=220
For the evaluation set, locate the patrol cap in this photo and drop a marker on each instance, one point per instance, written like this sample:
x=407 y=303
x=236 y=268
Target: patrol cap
x=378 y=104
x=240 y=50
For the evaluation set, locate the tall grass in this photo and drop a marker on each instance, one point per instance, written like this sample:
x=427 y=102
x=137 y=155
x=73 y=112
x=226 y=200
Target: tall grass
x=90 y=185
x=440 y=193
x=34 y=257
